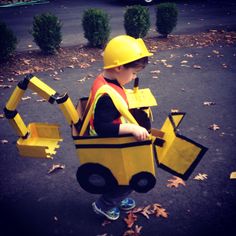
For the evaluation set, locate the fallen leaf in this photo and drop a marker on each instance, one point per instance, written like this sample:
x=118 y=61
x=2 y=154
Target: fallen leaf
x=137 y=209
x=174 y=110
x=155 y=72
x=2 y=116
x=12 y=80
x=56 y=167
x=233 y=175
x=188 y=55
x=200 y=176
x=57 y=78
x=131 y=218
x=175 y=182
x=224 y=65
x=184 y=62
x=3 y=141
x=135 y=232
x=41 y=100
x=25 y=98
x=209 y=103
x=215 y=51
x=84 y=65
x=197 y=67
x=169 y=66
x=214 y=127
x=160 y=211
x=26 y=61
x=146 y=211
x=5 y=86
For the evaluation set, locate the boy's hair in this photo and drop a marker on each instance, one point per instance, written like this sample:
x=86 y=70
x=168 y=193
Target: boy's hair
x=142 y=62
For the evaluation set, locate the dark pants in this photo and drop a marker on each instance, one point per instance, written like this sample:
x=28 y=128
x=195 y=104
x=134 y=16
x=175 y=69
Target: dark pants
x=113 y=199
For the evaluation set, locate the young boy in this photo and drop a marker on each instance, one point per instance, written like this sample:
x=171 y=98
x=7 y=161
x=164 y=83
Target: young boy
x=124 y=57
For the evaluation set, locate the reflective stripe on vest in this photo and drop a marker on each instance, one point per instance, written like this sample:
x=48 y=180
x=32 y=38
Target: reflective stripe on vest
x=99 y=83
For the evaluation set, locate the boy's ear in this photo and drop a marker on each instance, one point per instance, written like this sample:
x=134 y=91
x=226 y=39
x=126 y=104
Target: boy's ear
x=118 y=68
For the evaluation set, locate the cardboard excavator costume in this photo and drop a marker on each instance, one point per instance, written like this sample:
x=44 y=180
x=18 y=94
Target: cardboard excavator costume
x=106 y=162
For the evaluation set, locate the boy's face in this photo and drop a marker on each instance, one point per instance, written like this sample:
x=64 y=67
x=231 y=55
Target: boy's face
x=126 y=75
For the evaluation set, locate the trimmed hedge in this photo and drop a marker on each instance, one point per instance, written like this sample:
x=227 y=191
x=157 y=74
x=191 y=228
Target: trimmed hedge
x=166 y=18
x=47 y=32
x=137 y=21
x=96 y=25
x=8 y=42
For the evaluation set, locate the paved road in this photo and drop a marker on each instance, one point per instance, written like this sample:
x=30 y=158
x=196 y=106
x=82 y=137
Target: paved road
x=193 y=17
x=33 y=202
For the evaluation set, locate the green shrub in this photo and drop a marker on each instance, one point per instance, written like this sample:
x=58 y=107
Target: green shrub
x=137 y=21
x=166 y=18
x=47 y=32
x=8 y=42
x=96 y=27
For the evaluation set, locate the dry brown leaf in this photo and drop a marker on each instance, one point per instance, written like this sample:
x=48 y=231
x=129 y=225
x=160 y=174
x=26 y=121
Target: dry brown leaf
x=12 y=80
x=214 y=127
x=197 y=67
x=2 y=116
x=5 y=86
x=56 y=167
x=25 y=98
x=3 y=141
x=84 y=65
x=155 y=72
x=146 y=211
x=175 y=182
x=201 y=177
x=209 y=103
x=136 y=210
x=160 y=211
x=41 y=100
x=131 y=218
x=135 y=232
x=57 y=78
x=184 y=62
x=215 y=51
x=174 y=110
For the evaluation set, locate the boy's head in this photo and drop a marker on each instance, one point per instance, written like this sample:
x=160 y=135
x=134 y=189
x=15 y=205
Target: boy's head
x=124 y=57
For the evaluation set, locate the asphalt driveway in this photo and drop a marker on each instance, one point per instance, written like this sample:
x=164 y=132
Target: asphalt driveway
x=34 y=202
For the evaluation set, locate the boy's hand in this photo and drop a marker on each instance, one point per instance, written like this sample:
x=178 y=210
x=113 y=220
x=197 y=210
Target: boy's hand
x=139 y=132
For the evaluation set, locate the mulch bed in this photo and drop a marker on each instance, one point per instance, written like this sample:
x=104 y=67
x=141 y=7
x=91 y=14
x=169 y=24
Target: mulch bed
x=82 y=56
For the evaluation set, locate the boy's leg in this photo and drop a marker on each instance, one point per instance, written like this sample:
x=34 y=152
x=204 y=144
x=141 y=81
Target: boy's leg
x=113 y=198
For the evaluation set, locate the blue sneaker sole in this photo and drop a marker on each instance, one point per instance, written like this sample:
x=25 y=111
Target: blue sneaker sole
x=100 y=212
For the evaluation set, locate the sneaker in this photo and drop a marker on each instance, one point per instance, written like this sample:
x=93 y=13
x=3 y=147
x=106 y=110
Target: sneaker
x=127 y=204
x=112 y=214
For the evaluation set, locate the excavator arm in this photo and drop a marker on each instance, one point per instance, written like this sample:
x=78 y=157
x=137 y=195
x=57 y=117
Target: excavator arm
x=39 y=139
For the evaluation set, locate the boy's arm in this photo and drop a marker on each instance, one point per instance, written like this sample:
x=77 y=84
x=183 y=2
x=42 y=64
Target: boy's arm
x=137 y=131
x=105 y=114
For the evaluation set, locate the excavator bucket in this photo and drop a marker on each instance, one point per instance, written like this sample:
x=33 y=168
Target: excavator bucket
x=179 y=154
x=42 y=140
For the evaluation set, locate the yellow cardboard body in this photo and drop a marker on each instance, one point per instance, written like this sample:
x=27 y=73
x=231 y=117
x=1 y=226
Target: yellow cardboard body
x=123 y=162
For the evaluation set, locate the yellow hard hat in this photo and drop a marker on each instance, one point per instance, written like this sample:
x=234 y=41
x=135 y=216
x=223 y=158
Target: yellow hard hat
x=122 y=50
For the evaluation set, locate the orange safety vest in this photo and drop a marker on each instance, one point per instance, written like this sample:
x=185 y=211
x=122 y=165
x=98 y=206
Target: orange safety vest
x=97 y=84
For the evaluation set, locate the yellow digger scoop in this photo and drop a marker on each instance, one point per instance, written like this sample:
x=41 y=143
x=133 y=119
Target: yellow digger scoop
x=42 y=140
x=179 y=154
